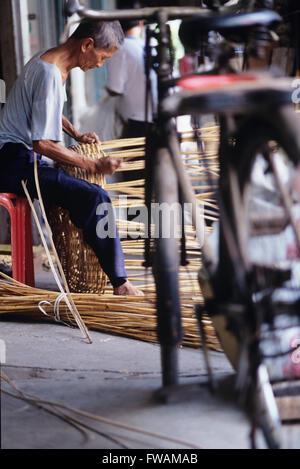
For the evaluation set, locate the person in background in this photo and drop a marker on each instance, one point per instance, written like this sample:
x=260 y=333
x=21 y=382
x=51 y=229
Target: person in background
x=126 y=78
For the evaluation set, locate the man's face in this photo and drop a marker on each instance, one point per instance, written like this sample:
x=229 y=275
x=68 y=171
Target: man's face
x=91 y=57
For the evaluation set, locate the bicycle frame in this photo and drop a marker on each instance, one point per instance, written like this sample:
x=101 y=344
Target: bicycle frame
x=162 y=158
x=165 y=173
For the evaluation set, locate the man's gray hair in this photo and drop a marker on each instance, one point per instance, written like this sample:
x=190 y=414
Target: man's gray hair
x=106 y=34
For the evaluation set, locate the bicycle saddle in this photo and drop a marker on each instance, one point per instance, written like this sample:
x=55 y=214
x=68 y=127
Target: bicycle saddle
x=239 y=26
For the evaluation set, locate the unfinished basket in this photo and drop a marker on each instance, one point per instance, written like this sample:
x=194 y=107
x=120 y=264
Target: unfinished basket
x=79 y=263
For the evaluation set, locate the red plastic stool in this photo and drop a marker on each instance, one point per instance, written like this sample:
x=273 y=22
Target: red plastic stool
x=21 y=237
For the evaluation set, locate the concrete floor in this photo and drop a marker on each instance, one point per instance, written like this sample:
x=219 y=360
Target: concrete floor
x=115 y=378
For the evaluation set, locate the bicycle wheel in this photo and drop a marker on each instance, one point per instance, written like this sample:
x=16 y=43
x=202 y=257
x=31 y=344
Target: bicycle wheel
x=266 y=155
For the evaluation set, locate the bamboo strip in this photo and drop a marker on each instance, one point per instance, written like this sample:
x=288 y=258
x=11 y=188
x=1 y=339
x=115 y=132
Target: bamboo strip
x=126 y=316
x=130 y=316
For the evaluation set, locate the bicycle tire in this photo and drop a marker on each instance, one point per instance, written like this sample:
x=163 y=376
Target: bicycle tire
x=281 y=128
x=166 y=268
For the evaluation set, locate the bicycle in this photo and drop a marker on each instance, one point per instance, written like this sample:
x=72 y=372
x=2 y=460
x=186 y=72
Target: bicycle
x=254 y=113
x=244 y=288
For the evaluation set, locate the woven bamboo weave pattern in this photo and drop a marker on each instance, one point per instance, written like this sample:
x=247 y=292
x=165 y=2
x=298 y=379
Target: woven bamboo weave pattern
x=80 y=264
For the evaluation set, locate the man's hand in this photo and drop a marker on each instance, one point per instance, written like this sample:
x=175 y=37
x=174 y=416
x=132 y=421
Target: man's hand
x=108 y=165
x=63 y=155
x=90 y=137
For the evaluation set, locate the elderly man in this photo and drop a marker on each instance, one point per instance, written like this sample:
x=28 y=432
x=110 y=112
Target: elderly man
x=33 y=121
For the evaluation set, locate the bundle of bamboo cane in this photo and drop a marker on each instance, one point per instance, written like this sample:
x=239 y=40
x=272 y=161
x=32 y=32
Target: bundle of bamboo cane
x=129 y=316
x=133 y=317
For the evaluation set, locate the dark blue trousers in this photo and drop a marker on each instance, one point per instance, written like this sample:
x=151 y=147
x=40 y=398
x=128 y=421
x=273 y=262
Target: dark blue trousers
x=79 y=197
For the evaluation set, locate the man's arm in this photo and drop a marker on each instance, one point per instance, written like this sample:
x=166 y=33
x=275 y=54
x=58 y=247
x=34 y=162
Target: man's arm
x=69 y=129
x=63 y=155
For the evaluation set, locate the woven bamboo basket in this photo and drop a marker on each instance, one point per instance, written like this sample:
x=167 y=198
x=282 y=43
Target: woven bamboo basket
x=80 y=264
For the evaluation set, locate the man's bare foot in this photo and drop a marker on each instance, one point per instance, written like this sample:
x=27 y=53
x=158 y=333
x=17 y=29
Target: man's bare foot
x=127 y=289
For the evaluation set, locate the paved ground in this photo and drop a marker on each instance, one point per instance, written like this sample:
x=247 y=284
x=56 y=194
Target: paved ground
x=115 y=378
